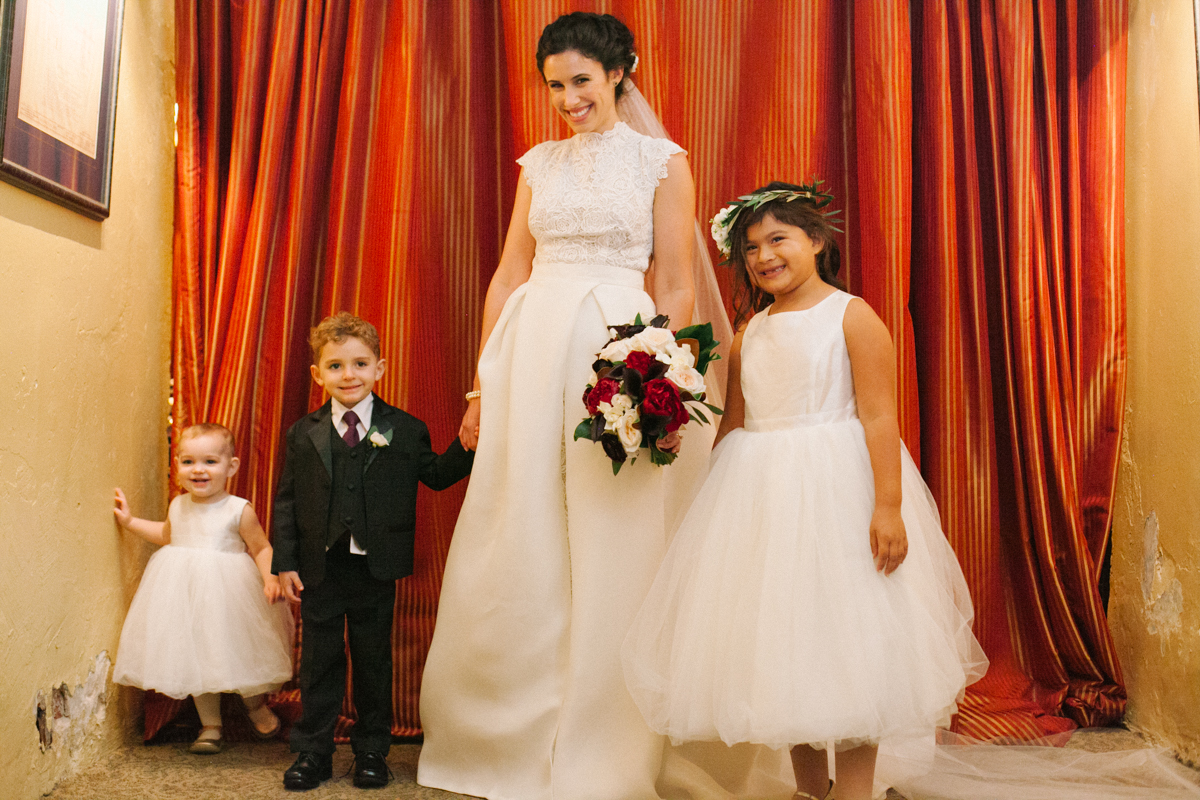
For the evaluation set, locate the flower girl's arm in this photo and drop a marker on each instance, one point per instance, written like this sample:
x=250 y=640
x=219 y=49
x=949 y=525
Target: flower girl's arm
x=516 y=264
x=153 y=532
x=255 y=538
x=873 y=365
x=735 y=405
x=674 y=235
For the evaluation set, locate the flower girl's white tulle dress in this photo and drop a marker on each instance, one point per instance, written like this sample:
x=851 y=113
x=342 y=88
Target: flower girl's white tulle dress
x=199 y=622
x=767 y=622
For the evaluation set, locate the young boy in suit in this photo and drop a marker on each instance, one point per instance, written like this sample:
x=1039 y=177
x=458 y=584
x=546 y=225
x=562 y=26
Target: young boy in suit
x=345 y=514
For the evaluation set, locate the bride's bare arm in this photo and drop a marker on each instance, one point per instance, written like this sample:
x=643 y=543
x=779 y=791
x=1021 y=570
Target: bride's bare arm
x=674 y=232
x=516 y=262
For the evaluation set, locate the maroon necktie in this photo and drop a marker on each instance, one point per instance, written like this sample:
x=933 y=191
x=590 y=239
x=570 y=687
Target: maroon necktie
x=351 y=434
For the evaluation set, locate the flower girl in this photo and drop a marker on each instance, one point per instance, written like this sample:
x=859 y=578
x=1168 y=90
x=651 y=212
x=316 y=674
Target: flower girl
x=809 y=599
x=201 y=622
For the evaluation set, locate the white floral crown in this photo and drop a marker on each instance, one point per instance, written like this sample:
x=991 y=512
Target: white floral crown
x=723 y=222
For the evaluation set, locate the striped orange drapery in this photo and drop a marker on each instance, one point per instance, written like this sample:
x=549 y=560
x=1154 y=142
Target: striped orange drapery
x=343 y=154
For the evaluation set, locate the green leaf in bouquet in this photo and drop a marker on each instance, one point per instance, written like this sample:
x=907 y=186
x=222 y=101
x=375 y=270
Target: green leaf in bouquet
x=714 y=409
x=616 y=467
x=705 y=344
x=661 y=321
x=584 y=429
x=660 y=458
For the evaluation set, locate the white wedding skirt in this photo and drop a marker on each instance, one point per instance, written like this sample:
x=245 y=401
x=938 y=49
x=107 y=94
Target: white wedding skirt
x=522 y=696
x=199 y=623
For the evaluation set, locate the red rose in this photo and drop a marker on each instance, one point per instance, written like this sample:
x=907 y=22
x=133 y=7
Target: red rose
x=662 y=400
x=640 y=361
x=602 y=393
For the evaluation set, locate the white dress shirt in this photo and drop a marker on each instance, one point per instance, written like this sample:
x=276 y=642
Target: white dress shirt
x=363 y=410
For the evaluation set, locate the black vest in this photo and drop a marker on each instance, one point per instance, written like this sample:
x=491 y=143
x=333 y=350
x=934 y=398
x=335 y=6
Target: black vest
x=347 y=501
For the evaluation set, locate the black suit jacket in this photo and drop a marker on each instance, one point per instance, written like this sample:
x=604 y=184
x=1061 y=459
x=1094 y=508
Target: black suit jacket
x=301 y=516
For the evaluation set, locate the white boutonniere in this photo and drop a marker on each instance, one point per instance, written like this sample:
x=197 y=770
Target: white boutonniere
x=379 y=438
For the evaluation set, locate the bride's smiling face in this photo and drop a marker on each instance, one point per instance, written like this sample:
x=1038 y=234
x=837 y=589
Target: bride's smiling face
x=581 y=91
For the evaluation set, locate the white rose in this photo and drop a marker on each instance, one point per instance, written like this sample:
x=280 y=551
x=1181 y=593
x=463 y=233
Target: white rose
x=631 y=437
x=654 y=340
x=677 y=355
x=378 y=439
x=687 y=379
x=618 y=350
x=615 y=410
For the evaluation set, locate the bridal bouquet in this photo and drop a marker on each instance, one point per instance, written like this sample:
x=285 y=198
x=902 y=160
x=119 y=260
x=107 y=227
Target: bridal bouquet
x=647 y=384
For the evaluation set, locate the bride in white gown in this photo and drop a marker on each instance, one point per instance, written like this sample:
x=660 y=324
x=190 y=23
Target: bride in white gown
x=523 y=696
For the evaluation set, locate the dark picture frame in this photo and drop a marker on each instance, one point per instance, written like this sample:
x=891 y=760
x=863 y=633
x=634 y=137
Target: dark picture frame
x=36 y=156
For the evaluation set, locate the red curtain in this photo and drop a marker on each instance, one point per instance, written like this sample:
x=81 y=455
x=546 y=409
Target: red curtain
x=1019 y=308
x=351 y=154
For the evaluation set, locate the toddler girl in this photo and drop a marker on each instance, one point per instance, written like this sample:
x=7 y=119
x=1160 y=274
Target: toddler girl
x=809 y=597
x=201 y=622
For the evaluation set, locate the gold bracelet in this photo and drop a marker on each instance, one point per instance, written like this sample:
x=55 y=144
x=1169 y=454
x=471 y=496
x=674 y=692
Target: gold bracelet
x=473 y=395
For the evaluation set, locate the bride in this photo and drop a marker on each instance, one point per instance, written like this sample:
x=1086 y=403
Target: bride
x=523 y=696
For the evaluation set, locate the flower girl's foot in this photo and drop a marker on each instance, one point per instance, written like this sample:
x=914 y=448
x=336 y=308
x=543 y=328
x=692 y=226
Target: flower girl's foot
x=371 y=770
x=308 y=772
x=799 y=795
x=209 y=742
x=264 y=722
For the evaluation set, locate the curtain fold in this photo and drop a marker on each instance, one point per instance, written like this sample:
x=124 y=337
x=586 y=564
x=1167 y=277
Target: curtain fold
x=1019 y=308
x=353 y=155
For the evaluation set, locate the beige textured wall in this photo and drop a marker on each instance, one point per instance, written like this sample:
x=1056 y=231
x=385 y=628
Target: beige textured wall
x=1155 y=601
x=84 y=337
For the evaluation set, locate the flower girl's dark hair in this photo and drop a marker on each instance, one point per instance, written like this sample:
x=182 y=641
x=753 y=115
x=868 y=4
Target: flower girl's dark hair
x=600 y=37
x=748 y=299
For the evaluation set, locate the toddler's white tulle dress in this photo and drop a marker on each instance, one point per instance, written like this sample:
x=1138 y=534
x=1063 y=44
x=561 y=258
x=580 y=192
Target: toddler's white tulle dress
x=199 y=622
x=767 y=622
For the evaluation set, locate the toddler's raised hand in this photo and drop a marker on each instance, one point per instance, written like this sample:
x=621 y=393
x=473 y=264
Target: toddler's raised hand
x=889 y=541
x=121 y=509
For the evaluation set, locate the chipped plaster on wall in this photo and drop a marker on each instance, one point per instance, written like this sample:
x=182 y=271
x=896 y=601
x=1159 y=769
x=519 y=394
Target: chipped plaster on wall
x=68 y=720
x=1154 y=608
x=1161 y=590
x=85 y=337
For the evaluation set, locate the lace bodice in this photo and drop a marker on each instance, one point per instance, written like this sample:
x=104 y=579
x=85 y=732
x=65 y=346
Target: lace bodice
x=593 y=197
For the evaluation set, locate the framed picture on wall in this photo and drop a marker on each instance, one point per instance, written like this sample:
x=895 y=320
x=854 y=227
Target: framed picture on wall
x=58 y=98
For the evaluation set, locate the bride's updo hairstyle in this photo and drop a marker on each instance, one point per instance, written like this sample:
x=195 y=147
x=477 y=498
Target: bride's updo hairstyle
x=748 y=299
x=600 y=37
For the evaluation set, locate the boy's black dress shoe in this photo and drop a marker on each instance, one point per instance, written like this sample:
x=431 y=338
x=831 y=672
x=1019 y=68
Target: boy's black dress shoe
x=308 y=772
x=370 y=770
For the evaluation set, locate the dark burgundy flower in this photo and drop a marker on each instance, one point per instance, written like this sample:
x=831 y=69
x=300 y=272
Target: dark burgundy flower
x=612 y=448
x=640 y=361
x=662 y=399
x=602 y=393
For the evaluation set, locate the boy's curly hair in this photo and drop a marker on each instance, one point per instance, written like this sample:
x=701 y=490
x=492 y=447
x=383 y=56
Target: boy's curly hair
x=340 y=327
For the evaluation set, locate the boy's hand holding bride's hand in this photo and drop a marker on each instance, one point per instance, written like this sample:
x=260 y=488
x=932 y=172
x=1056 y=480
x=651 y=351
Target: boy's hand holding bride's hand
x=272 y=589
x=290 y=583
x=889 y=542
x=121 y=510
x=468 y=432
